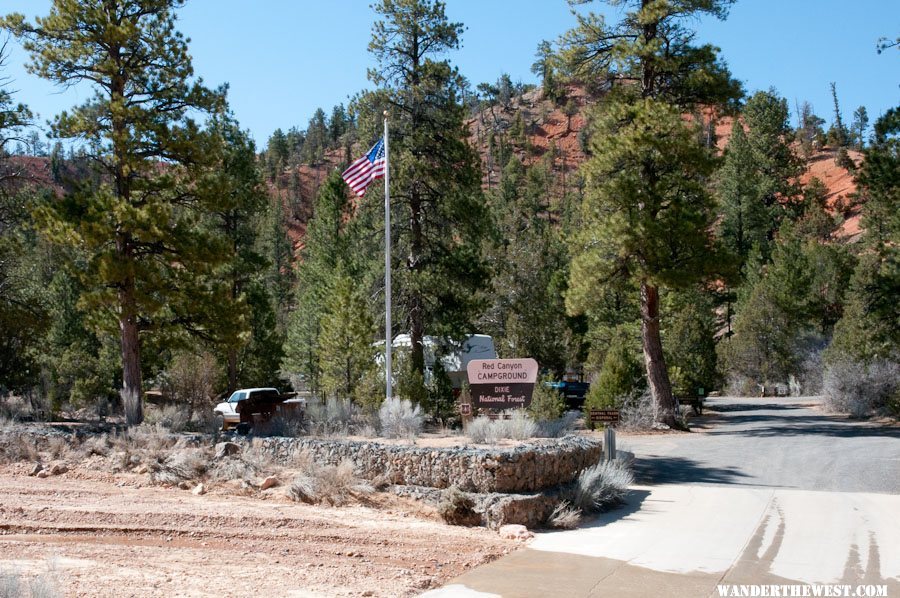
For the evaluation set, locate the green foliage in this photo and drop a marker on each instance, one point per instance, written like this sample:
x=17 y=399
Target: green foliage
x=757 y=179
x=689 y=340
x=441 y=404
x=526 y=312
x=621 y=375
x=871 y=321
x=328 y=244
x=138 y=223
x=547 y=403
x=435 y=176
x=346 y=356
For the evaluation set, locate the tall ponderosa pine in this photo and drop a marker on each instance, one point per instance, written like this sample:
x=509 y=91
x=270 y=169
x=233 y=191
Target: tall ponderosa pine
x=138 y=223
x=435 y=178
x=757 y=182
x=647 y=212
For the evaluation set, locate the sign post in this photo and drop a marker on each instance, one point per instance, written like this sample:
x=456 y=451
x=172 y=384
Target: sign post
x=502 y=383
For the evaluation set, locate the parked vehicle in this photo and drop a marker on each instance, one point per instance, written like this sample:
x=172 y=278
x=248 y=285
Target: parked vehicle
x=247 y=406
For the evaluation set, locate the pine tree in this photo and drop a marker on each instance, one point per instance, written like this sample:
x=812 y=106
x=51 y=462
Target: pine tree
x=346 y=353
x=435 y=176
x=647 y=210
x=859 y=126
x=138 y=226
x=870 y=326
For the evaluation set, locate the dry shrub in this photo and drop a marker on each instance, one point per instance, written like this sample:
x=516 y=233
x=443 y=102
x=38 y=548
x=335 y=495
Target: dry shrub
x=61 y=447
x=16 y=446
x=400 y=418
x=564 y=516
x=253 y=461
x=557 y=428
x=44 y=585
x=859 y=389
x=457 y=508
x=174 y=418
x=601 y=486
x=182 y=465
x=95 y=445
x=483 y=430
x=332 y=484
x=638 y=412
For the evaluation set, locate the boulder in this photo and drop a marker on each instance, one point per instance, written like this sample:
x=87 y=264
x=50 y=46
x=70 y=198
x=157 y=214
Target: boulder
x=58 y=468
x=36 y=469
x=226 y=449
x=515 y=532
x=269 y=482
x=199 y=490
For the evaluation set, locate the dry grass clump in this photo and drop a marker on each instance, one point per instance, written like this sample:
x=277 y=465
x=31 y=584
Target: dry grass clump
x=182 y=465
x=15 y=445
x=174 y=418
x=564 y=516
x=331 y=484
x=602 y=486
x=15 y=585
x=483 y=430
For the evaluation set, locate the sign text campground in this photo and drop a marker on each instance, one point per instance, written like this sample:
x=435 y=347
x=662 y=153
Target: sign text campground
x=502 y=383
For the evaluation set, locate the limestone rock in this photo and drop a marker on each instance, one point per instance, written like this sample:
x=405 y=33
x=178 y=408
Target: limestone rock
x=58 y=468
x=515 y=532
x=199 y=490
x=269 y=482
x=36 y=469
x=43 y=473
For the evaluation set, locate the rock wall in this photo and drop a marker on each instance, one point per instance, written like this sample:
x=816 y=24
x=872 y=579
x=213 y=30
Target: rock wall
x=528 y=467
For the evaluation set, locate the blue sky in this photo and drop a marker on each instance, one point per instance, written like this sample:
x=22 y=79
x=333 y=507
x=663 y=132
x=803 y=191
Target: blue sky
x=285 y=58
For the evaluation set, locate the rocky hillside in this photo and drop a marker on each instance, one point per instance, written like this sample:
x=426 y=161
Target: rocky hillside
x=531 y=126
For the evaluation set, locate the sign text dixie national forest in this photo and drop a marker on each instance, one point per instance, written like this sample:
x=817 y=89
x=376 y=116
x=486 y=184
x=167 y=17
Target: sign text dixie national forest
x=502 y=383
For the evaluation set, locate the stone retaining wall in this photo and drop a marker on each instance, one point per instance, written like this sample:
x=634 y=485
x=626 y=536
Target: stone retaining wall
x=528 y=467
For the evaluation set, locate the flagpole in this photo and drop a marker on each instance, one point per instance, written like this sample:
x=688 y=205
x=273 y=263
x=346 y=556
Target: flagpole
x=388 y=340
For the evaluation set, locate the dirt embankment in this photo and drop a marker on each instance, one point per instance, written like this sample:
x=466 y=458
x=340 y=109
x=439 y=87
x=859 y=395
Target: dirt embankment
x=101 y=534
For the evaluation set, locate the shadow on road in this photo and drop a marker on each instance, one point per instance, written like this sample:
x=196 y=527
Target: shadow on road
x=735 y=407
x=632 y=505
x=674 y=470
x=769 y=426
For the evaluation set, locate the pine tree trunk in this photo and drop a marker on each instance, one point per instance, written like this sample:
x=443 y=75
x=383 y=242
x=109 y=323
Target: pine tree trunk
x=131 y=355
x=416 y=304
x=232 y=370
x=657 y=374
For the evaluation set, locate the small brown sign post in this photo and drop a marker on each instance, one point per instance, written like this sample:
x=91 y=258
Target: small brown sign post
x=502 y=383
x=608 y=417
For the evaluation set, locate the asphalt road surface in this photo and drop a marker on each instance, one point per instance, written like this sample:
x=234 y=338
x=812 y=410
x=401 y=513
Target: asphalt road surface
x=765 y=491
x=774 y=442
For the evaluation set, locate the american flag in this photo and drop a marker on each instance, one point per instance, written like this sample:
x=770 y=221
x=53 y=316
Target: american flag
x=365 y=170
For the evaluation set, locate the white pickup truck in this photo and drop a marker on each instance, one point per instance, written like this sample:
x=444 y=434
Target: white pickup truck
x=228 y=410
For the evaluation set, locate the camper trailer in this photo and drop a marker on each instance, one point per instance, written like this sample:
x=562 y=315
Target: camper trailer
x=454 y=356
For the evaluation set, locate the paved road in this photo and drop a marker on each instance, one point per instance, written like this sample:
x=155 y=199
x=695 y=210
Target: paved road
x=767 y=491
x=774 y=442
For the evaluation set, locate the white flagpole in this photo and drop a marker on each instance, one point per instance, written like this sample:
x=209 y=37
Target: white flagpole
x=388 y=340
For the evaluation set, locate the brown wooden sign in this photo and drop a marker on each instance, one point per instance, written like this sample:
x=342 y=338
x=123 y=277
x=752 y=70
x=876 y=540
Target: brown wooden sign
x=603 y=416
x=502 y=383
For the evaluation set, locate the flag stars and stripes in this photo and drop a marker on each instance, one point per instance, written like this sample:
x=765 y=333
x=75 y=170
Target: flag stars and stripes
x=365 y=170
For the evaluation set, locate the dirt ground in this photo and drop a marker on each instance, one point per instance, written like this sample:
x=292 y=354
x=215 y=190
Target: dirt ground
x=101 y=534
